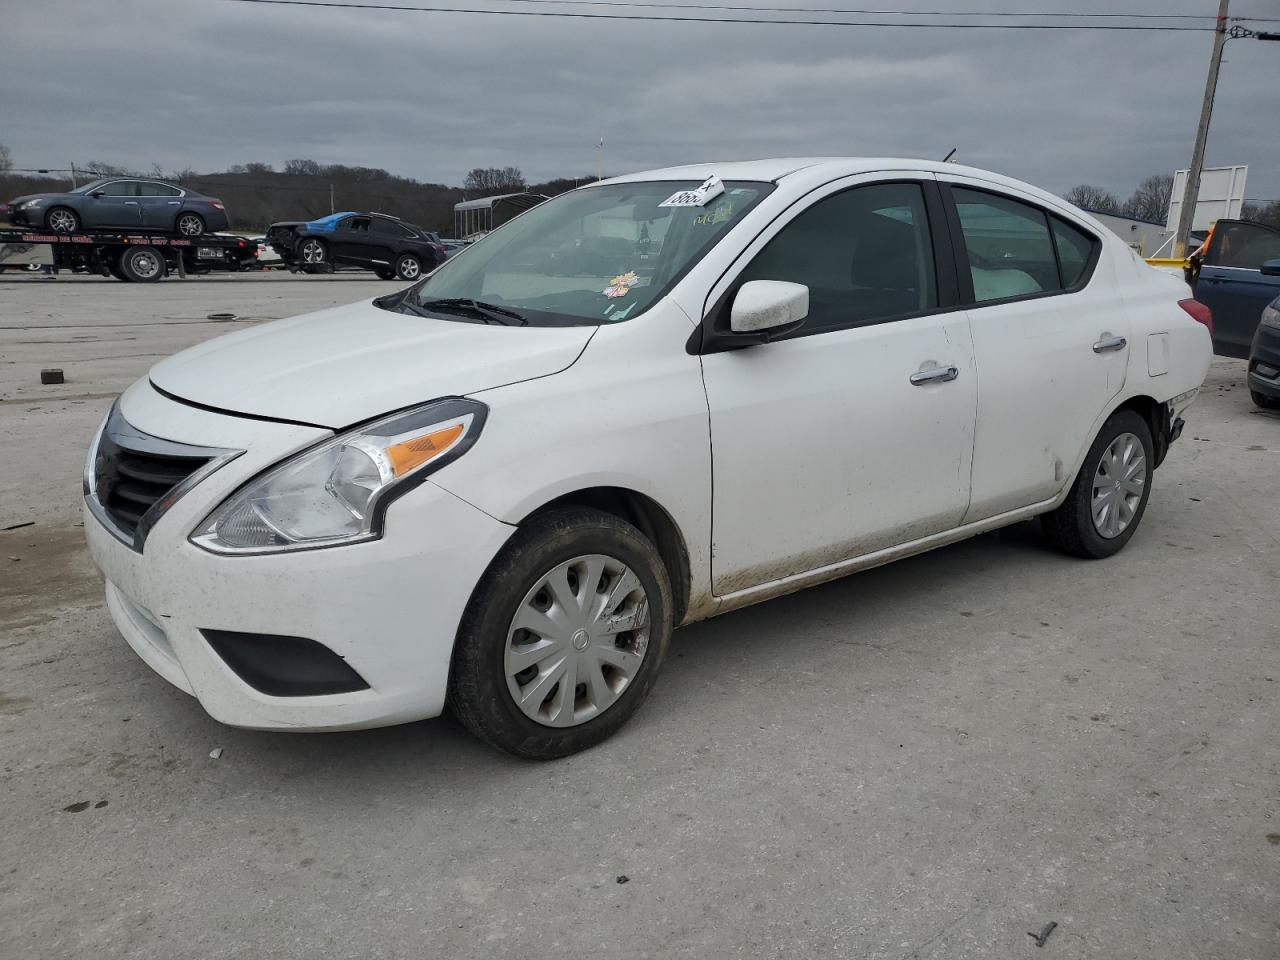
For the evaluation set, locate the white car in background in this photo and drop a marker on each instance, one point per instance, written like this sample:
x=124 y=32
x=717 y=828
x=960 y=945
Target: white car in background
x=502 y=488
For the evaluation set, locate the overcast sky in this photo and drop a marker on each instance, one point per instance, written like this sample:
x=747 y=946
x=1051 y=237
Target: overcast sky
x=203 y=84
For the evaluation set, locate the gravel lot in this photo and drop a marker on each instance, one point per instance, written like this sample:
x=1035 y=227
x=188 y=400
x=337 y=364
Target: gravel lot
x=927 y=760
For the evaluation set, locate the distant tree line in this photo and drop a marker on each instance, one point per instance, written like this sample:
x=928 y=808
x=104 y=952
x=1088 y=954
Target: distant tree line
x=1150 y=201
x=256 y=194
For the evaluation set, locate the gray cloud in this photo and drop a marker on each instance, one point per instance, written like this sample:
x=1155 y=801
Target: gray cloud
x=204 y=84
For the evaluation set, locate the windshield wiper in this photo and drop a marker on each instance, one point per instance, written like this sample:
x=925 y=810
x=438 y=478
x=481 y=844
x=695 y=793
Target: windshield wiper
x=488 y=312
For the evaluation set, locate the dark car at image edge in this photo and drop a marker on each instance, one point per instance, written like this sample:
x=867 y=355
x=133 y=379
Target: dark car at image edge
x=121 y=203
x=384 y=244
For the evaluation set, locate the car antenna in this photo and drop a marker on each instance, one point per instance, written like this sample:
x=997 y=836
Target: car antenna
x=947 y=158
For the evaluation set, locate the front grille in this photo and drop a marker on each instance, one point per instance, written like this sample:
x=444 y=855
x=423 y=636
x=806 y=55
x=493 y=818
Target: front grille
x=135 y=477
x=131 y=482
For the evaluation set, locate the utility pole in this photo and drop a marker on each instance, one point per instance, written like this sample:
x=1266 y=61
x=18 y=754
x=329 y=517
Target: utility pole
x=1192 y=189
x=73 y=175
x=331 y=210
x=600 y=160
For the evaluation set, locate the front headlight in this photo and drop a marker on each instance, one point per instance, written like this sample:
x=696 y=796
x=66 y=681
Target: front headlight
x=337 y=492
x=30 y=204
x=1271 y=314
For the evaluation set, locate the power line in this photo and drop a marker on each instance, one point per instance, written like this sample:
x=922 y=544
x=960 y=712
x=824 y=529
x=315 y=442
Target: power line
x=994 y=14
x=405 y=8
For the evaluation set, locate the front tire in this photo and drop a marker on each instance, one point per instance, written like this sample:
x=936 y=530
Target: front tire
x=408 y=267
x=61 y=220
x=563 y=637
x=312 y=252
x=189 y=224
x=1109 y=496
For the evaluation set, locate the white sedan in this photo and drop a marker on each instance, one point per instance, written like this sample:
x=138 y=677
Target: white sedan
x=643 y=403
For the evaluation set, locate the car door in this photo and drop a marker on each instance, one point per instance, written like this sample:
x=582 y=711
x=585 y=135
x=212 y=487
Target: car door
x=159 y=204
x=384 y=236
x=115 y=205
x=1050 y=338
x=854 y=433
x=350 y=241
x=1232 y=285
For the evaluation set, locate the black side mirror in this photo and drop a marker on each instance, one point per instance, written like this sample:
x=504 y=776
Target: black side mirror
x=98 y=194
x=1270 y=268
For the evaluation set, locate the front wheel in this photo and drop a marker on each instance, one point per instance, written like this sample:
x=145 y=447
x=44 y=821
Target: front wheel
x=62 y=220
x=312 y=252
x=1109 y=496
x=564 y=636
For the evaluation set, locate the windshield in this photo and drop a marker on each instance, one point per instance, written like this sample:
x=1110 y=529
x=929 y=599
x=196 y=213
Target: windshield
x=597 y=255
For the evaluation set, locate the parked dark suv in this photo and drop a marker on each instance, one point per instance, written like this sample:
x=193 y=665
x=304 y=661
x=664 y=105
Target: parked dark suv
x=384 y=244
x=121 y=203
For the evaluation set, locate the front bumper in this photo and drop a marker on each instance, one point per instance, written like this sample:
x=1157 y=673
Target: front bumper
x=1264 y=362
x=389 y=608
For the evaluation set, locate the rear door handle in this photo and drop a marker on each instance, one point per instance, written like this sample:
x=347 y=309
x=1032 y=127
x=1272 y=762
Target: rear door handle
x=934 y=375
x=174 y=203
x=1109 y=343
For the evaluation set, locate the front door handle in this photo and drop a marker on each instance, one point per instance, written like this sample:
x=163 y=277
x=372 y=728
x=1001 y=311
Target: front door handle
x=934 y=375
x=1109 y=343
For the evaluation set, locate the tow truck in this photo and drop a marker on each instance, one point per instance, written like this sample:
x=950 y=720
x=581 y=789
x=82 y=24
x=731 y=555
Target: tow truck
x=135 y=257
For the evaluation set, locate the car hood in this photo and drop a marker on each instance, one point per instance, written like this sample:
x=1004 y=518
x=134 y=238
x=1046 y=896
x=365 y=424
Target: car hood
x=340 y=366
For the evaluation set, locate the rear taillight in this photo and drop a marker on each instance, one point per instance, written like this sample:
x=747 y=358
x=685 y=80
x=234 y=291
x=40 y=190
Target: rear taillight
x=216 y=204
x=1198 y=312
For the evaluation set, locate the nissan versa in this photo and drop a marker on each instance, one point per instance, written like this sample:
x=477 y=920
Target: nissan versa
x=643 y=403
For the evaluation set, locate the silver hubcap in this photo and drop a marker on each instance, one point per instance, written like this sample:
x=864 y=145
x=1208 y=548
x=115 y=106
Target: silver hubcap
x=409 y=269
x=145 y=264
x=1118 y=484
x=312 y=252
x=62 y=221
x=577 y=641
x=189 y=226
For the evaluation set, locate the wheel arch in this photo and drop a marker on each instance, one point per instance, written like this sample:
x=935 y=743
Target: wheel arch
x=649 y=517
x=1156 y=415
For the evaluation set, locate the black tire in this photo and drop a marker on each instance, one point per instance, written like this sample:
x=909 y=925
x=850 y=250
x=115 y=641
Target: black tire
x=312 y=252
x=113 y=268
x=1071 y=526
x=478 y=692
x=385 y=273
x=142 y=264
x=409 y=267
x=189 y=224
x=61 y=220
x=1263 y=401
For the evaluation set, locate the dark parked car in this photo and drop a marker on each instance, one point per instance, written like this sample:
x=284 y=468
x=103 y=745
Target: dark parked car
x=1264 y=356
x=121 y=203
x=1239 y=275
x=384 y=244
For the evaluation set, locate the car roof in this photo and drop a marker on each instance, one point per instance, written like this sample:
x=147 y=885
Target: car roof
x=774 y=170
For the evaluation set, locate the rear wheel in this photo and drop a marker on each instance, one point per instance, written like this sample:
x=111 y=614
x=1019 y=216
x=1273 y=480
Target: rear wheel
x=564 y=636
x=312 y=252
x=1109 y=496
x=1263 y=401
x=62 y=220
x=142 y=264
x=408 y=267
x=189 y=224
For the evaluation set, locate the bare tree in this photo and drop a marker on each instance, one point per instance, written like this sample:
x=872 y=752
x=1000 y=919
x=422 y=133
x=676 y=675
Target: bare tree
x=258 y=168
x=1151 y=200
x=1089 y=197
x=486 y=181
x=6 y=159
x=298 y=167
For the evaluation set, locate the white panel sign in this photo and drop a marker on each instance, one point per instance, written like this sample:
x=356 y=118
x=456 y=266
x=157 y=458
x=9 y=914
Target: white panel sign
x=709 y=190
x=1221 y=196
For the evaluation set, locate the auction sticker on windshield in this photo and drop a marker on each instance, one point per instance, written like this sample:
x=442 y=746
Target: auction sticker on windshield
x=700 y=197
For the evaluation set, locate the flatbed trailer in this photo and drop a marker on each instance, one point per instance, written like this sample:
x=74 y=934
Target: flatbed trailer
x=136 y=257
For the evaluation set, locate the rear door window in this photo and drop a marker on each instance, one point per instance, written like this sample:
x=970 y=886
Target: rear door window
x=1009 y=249
x=158 y=190
x=1242 y=245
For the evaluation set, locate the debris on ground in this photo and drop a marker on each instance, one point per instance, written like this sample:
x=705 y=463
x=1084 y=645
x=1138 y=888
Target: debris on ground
x=18 y=526
x=76 y=807
x=623 y=878
x=52 y=375
x=215 y=753
x=1043 y=935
